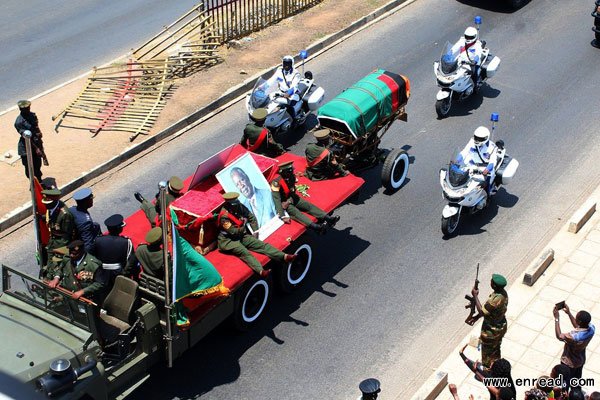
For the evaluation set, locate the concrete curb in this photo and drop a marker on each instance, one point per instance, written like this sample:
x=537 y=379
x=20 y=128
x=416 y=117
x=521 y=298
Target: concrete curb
x=230 y=97
x=432 y=388
x=538 y=267
x=581 y=216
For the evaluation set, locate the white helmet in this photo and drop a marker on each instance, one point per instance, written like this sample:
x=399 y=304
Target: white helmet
x=470 y=35
x=287 y=63
x=481 y=136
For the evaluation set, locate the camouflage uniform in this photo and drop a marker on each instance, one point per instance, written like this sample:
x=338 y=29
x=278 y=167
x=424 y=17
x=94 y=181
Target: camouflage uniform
x=86 y=275
x=494 y=326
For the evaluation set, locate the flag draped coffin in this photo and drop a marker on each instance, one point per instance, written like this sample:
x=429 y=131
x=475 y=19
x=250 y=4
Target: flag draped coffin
x=358 y=109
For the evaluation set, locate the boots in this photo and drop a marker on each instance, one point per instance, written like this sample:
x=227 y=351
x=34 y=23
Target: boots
x=288 y=258
x=320 y=228
x=332 y=219
x=138 y=196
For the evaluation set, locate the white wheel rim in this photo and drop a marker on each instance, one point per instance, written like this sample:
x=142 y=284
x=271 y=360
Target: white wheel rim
x=253 y=318
x=398 y=183
x=307 y=265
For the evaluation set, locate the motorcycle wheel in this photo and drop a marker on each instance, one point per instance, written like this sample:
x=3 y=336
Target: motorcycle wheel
x=442 y=107
x=450 y=224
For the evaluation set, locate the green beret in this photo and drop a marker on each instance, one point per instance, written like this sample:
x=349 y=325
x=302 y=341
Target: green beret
x=321 y=133
x=259 y=114
x=230 y=196
x=50 y=195
x=499 y=280
x=286 y=165
x=24 y=103
x=63 y=251
x=154 y=235
x=175 y=184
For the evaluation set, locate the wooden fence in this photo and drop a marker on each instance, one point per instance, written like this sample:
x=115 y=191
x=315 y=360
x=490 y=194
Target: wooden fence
x=238 y=18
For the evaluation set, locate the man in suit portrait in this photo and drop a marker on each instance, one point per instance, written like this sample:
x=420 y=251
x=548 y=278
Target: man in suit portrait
x=259 y=201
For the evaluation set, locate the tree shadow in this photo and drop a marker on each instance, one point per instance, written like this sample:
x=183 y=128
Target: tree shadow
x=499 y=6
x=215 y=360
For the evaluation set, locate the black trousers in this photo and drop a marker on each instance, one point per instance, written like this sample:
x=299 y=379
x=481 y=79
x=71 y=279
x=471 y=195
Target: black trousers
x=37 y=166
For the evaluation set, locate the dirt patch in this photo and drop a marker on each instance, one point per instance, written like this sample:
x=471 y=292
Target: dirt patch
x=72 y=152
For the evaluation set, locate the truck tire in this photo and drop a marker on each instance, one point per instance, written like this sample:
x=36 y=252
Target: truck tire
x=395 y=169
x=250 y=303
x=291 y=275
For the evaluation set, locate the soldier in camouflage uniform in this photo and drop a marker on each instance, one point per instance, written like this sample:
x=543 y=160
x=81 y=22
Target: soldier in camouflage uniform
x=61 y=225
x=174 y=188
x=283 y=188
x=258 y=139
x=321 y=163
x=234 y=237
x=494 y=320
x=80 y=273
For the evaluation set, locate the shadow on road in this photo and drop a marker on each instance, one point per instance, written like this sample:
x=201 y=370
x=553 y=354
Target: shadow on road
x=499 y=6
x=466 y=107
x=215 y=360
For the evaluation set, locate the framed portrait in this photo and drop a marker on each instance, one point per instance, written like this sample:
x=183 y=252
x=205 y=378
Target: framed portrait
x=244 y=177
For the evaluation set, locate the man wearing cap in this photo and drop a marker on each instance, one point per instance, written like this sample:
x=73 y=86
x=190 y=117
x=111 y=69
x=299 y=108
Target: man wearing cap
x=370 y=389
x=28 y=121
x=257 y=138
x=150 y=256
x=283 y=190
x=87 y=229
x=174 y=188
x=114 y=250
x=494 y=320
x=233 y=221
x=257 y=200
x=60 y=223
x=321 y=163
x=80 y=274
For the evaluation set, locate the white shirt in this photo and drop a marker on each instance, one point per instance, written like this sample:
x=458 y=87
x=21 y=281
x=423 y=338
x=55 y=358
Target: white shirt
x=471 y=55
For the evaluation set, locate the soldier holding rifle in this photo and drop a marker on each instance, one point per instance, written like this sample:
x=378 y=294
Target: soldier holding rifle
x=28 y=121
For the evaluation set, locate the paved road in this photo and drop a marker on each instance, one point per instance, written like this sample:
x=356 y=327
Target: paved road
x=385 y=296
x=44 y=43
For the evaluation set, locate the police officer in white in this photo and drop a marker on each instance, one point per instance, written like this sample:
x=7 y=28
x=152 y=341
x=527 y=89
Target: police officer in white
x=482 y=153
x=470 y=49
x=287 y=78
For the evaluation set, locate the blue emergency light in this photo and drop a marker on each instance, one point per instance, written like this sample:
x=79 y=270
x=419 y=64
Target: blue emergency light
x=477 y=20
x=303 y=54
x=495 y=117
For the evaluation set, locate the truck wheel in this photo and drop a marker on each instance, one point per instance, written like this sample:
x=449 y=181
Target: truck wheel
x=442 y=108
x=250 y=303
x=450 y=224
x=291 y=275
x=395 y=169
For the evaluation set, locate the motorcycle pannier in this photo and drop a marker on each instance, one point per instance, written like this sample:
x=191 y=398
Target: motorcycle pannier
x=491 y=66
x=507 y=170
x=315 y=99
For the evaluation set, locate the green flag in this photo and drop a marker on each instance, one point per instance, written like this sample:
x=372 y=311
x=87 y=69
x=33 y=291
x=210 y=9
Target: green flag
x=193 y=275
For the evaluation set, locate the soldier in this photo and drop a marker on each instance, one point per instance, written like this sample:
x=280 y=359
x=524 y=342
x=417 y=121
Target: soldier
x=174 y=188
x=113 y=250
x=28 y=121
x=233 y=221
x=87 y=229
x=321 y=163
x=494 y=320
x=80 y=274
x=60 y=223
x=258 y=139
x=370 y=389
x=283 y=189
x=150 y=255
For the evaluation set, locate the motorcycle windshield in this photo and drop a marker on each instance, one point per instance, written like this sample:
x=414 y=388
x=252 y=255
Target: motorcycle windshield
x=260 y=93
x=458 y=174
x=449 y=59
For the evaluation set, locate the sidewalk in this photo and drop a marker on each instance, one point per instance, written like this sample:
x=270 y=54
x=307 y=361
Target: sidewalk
x=530 y=343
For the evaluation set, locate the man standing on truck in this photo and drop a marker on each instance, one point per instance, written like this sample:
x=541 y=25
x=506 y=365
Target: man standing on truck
x=114 y=250
x=87 y=229
x=283 y=189
x=60 y=222
x=234 y=221
x=258 y=139
x=321 y=163
x=150 y=256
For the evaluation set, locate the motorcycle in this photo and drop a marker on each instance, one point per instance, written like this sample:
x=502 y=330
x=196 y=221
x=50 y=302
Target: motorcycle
x=465 y=186
x=454 y=74
x=266 y=94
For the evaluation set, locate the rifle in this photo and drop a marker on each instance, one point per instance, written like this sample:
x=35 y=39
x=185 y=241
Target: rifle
x=473 y=315
x=39 y=147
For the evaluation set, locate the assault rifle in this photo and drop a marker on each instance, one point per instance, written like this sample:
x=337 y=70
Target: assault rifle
x=473 y=314
x=39 y=149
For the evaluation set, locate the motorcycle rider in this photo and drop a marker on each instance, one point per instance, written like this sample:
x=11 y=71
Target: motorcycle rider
x=470 y=49
x=481 y=152
x=287 y=78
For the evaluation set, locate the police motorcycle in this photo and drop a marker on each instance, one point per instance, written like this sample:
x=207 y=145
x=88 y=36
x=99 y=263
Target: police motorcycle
x=266 y=94
x=454 y=73
x=465 y=186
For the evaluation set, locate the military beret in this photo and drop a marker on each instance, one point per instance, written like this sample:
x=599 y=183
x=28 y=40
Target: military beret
x=230 y=196
x=175 y=184
x=259 y=114
x=82 y=194
x=114 y=221
x=24 y=103
x=370 y=386
x=286 y=165
x=499 y=280
x=75 y=243
x=321 y=133
x=50 y=195
x=154 y=235
x=61 y=251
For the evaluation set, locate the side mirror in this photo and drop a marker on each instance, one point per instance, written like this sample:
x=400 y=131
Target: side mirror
x=308 y=75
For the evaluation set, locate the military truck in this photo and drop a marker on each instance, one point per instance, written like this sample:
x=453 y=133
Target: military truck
x=75 y=349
